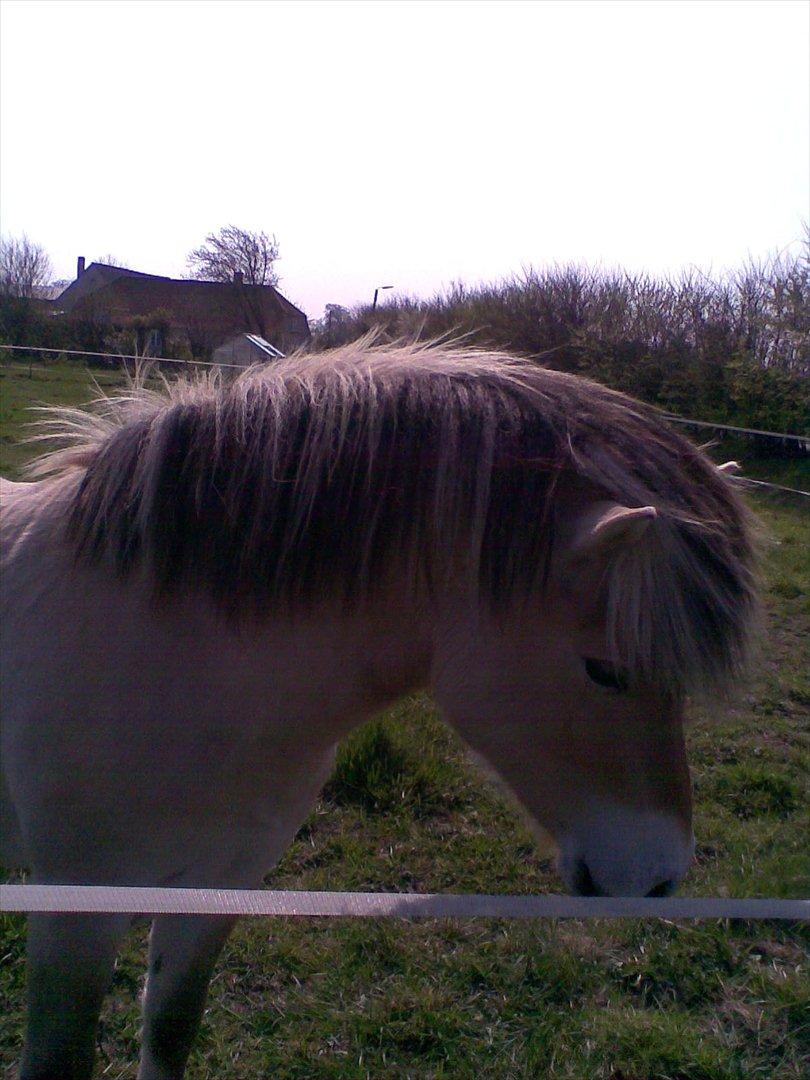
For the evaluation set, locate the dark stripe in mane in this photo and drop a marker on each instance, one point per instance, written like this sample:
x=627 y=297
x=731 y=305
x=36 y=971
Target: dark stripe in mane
x=322 y=476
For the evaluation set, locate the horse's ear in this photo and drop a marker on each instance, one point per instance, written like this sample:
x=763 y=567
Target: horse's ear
x=606 y=526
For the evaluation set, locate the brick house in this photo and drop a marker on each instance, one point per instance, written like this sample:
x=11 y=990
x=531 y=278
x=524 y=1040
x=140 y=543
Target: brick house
x=163 y=312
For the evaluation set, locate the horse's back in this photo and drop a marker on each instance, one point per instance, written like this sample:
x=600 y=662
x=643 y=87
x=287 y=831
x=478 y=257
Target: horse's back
x=10 y=490
x=11 y=493
x=29 y=513
x=18 y=506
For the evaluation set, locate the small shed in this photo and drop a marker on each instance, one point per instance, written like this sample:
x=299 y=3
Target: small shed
x=242 y=350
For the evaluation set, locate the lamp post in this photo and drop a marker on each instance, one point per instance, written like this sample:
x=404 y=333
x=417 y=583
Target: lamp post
x=379 y=289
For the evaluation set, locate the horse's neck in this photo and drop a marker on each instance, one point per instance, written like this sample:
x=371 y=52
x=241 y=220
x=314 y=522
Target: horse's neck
x=339 y=669
x=318 y=673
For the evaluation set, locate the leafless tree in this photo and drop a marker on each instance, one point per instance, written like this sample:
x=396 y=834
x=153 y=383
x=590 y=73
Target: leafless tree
x=24 y=266
x=236 y=251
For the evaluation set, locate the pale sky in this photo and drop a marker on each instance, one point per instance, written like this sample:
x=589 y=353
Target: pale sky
x=410 y=143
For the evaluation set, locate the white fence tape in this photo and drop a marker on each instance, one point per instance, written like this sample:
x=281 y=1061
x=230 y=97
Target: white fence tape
x=148 y=901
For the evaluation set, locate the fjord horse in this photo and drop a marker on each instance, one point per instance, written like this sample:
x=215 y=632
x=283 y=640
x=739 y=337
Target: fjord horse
x=208 y=587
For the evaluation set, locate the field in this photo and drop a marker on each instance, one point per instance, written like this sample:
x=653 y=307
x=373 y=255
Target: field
x=581 y=1000
x=25 y=387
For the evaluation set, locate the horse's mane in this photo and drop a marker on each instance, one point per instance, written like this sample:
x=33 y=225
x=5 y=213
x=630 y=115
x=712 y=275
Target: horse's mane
x=313 y=477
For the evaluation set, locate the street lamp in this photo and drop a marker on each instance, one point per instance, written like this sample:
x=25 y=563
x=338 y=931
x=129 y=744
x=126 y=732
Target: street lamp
x=378 y=290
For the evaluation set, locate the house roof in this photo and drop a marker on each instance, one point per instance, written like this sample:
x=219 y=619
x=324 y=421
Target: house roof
x=160 y=290
x=95 y=277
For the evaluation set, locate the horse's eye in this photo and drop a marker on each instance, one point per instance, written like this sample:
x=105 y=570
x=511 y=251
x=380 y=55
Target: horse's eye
x=605 y=674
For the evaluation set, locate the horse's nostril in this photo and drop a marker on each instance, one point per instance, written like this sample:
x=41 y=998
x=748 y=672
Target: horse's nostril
x=663 y=888
x=584 y=885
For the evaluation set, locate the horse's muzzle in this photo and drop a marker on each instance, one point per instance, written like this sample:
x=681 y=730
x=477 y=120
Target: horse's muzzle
x=619 y=853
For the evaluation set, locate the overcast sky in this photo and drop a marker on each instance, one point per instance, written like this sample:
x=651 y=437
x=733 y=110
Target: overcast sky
x=409 y=143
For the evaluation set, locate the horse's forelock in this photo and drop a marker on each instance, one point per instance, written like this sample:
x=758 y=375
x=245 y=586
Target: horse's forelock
x=682 y=610
x=322 y=476
x=682 y=607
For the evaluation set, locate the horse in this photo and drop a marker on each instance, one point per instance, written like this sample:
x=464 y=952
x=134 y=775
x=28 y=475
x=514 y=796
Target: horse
x=207 y=586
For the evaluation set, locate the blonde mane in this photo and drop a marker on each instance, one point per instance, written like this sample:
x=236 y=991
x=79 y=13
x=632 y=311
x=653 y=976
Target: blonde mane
x=318 y=477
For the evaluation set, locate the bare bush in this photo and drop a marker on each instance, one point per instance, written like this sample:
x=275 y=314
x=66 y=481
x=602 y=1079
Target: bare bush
x=734 y=349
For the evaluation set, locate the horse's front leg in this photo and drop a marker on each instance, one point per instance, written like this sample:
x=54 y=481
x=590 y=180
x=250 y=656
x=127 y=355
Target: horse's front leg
x=184 y=948
x=182 y=952
x=70 y=963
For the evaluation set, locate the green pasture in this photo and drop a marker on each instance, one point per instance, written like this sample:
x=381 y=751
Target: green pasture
x=26 y=387
x=580 y=1000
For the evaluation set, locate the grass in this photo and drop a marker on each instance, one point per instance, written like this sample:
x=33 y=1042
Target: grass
x=24 y=387
x=567 y=1000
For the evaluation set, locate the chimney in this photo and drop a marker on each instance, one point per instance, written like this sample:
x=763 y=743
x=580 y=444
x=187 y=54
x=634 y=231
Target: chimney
x=238 y=277
x=79 y=267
